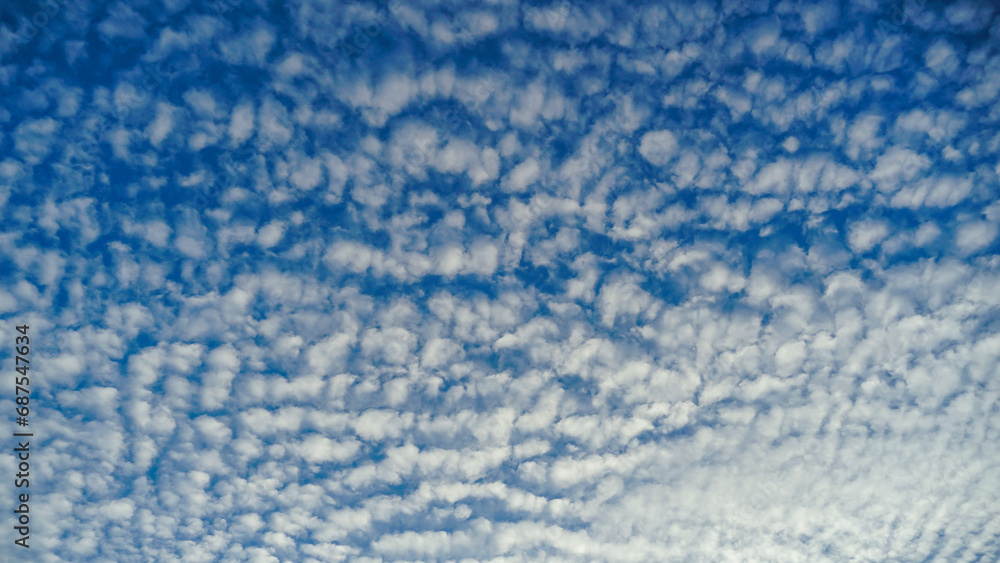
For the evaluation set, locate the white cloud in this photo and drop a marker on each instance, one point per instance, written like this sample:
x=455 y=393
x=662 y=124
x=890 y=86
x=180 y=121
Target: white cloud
x=623 y=297
x=864 y=235
x=320 y=449
x=975 y=235
x=241 y=123
x=162 y=125
x=658 y=147
x=522 y=342
x=523 y=175
x=34 y=138
x=896 y=165
x=190 y=246
x=863 y=135
x=941 y=58
x=271 y=234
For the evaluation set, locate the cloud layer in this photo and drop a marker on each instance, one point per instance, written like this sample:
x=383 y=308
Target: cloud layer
x=490 y=281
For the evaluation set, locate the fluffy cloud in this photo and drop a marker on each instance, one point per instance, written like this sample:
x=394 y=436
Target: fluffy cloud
x=571 y=281
x=658 y=147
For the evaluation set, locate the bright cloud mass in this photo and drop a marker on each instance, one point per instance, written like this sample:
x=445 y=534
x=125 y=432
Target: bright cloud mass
x=581 y=281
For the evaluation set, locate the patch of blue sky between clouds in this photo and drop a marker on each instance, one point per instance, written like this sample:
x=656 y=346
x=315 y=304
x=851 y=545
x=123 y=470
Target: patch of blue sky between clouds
x=498 y=281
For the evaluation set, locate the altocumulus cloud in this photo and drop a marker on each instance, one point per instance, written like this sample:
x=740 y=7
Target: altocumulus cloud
x=489 y=281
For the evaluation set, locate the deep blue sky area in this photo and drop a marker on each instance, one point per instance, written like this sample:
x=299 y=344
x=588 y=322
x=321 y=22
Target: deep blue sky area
x=324 y=281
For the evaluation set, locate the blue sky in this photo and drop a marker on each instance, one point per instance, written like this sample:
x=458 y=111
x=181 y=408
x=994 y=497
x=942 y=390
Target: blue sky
x=498 y=281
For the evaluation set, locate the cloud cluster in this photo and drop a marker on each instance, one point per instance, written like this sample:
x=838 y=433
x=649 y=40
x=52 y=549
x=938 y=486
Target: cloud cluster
x=446 y=281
